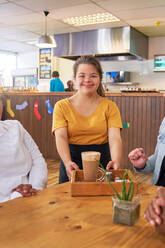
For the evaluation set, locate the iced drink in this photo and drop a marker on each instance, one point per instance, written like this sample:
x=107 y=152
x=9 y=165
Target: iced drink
x=90 y=165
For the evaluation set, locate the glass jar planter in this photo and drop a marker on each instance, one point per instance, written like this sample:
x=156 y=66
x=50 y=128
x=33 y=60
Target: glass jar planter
x=126 y=212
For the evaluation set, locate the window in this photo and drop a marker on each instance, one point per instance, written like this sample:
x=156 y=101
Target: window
x=7 y=65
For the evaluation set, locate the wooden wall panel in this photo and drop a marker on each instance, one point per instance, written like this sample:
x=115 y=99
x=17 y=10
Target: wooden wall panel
x=143 y=112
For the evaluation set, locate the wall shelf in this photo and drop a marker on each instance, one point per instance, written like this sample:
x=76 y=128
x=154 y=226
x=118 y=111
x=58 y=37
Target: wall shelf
x=122 y=84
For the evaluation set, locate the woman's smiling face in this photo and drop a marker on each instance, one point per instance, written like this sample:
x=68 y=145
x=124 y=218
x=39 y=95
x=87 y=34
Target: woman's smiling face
x=87 y=79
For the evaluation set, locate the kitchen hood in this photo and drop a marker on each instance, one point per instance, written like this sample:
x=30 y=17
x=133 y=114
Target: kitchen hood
x=121 y=43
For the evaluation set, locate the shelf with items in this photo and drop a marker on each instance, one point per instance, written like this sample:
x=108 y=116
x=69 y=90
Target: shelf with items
x=123 y=84
x=135 y=89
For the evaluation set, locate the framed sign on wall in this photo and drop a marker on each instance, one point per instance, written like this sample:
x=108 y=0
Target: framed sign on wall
x=159 y=62
x=45 y=63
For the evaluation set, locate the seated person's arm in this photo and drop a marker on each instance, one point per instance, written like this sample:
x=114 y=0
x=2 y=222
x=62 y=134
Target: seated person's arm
x=23 y=190
x=141 y=162
x=62 y=144
x=38 y=172
x=153 y=211
x=138 y=158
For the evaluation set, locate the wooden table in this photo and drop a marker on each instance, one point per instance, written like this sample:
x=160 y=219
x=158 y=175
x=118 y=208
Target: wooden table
x=54 y=219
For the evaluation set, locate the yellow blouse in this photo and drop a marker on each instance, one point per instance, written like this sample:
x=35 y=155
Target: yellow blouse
x=86 y=130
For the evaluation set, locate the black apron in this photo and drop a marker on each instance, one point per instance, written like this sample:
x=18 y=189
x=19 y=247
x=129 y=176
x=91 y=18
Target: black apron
x=75 y=151
x=161 y=180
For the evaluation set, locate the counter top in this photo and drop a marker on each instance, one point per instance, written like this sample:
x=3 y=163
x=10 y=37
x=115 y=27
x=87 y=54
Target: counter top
x=71 y=93
x=30 y=93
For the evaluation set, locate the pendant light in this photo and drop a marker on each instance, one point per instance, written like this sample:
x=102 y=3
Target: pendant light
x=46 y=41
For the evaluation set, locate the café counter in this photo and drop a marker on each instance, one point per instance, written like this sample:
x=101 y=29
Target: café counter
x=141 y=115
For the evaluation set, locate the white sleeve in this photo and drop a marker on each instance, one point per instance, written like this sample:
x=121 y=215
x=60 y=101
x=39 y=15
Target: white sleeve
x=10 y=196
x=14 y=195
x=38 y=172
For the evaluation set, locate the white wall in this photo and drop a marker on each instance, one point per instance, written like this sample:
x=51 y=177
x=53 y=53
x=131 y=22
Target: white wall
x=31 y=60
x=27 y=60
x=65 y=69
x=156 y=46
x=63 y=66
x=141 y=71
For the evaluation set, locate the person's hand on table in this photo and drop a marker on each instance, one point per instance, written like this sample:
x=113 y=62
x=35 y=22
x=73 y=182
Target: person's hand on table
x=25 y=190
x=70 y=166
x=113 y=165
x=138 y=158
x=153 y=211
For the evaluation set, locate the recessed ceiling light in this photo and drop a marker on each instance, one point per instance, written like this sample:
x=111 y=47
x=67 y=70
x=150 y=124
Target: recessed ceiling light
x=91 y=19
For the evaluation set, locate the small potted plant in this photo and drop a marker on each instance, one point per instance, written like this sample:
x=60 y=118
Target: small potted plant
x=126 y=206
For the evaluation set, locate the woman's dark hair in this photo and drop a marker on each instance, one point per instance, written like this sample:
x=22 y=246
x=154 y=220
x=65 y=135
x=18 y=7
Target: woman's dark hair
x=70 y=85
x=90 y=60
x=55 y=74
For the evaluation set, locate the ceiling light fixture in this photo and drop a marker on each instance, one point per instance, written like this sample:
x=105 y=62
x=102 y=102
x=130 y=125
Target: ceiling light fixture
x=46 y=41
x=91 y=19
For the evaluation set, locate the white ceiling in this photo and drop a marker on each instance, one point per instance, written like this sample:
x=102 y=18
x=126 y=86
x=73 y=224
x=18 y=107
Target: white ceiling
x=22 y=21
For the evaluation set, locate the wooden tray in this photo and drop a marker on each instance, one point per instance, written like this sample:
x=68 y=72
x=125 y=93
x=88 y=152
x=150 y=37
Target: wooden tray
x=81 y=188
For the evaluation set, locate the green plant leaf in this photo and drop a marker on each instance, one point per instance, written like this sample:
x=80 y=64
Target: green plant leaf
x=129 y=175
x=129 y=190
x=124 y=191
x=117 y=194
x=124 y=196
x=132 y=192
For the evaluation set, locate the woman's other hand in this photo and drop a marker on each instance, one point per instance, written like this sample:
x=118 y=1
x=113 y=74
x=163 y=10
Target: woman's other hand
x=153 y=211
x=25 y=190
x=70 y=166
x=138 y=158
x=113 y=165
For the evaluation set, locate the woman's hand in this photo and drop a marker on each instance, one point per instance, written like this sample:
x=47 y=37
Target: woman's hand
x=70 y=166
x=153 y=211
x=138 y=158
x=25 y=190
x=113 y=164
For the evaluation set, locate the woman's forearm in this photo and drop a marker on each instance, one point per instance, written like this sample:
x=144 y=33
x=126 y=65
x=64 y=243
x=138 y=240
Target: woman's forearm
x=115 y=144
x=63 y=149
x=116 y=150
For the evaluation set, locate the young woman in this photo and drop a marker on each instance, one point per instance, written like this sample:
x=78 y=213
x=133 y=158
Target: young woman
x=87 y=121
